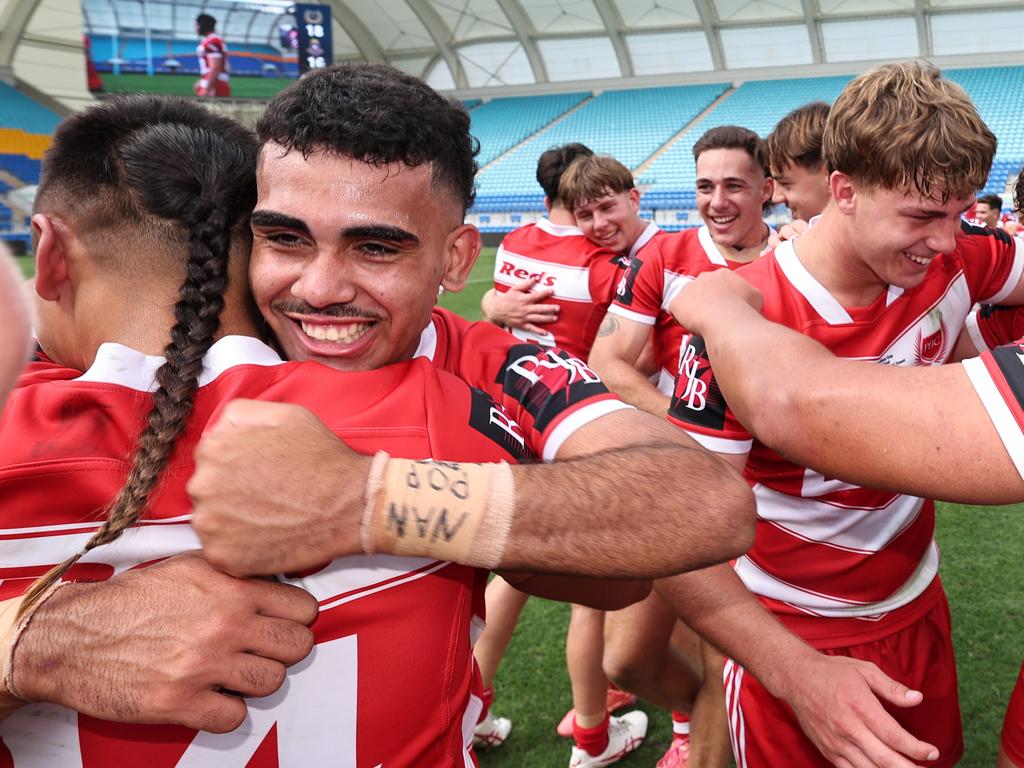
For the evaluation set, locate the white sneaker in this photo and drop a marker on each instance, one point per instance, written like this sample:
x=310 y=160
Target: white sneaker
x=491 y=731
x=625 y=734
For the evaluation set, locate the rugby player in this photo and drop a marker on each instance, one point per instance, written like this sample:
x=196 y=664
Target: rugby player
x=793 y=152
x=888 y=274
x=958 y=426
x=733 y=185
x=560 y=265
x=167 y=179
x=212 y=52
x=835 y=699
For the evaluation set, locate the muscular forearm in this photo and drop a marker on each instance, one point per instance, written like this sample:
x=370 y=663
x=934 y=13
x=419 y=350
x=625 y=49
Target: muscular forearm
x=562 y=519
x=714 y=602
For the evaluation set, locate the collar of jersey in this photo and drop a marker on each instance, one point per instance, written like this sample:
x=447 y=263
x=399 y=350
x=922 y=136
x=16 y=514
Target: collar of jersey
x=557 y=230
x=127 y=367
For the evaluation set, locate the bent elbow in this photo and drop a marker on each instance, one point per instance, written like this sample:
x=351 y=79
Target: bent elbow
x=738 y=510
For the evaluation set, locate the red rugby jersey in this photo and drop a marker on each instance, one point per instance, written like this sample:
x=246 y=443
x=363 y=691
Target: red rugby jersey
x=389 y=681
x=825 y=547
x=991 y=325
x=547 y=391
x=583 y=276
x=655 y=276
x=212 y=47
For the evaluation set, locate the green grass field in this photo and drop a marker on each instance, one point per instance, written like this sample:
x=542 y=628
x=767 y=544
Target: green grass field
x=982 y=572
x=181 y=85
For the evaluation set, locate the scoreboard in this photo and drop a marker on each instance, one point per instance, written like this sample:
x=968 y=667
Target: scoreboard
x=313 y=25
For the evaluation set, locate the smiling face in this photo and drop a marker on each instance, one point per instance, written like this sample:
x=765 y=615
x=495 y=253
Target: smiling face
x=348 y=257
x=989 y=216
x=612 y=220
x=805 y=192
x=731 y=189
x=897 y=234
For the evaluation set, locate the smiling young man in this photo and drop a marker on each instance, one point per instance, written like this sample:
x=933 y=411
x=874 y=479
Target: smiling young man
x=793 y=150
x=887 y=275
x=732 y=187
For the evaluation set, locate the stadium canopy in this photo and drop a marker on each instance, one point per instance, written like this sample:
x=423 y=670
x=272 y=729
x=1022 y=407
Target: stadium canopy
x=472 y=46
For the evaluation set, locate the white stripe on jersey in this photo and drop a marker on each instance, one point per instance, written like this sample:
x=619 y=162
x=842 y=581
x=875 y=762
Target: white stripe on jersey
x=824 y=303
x=674 y=283
x=568 y=283
x=816 y=604
x=852 y=528
x=649 y=231
x=732 y=675
x=974 y=331
x=629 y=314
x=576 y=420
x=666 y=382
x=1002 y=418
x=710 y=249
x=1014 y=277
x=722 y=444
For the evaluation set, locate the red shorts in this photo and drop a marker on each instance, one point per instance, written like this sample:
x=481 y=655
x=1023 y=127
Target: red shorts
x=766 y=734
x=1013 y=725
x=221 y=88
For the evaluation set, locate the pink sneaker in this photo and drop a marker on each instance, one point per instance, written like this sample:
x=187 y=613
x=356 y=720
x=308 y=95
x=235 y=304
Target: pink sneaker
x=617 y=699
x=678 y=754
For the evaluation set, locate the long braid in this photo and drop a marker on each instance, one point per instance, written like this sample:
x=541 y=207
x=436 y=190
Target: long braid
x=209 y=202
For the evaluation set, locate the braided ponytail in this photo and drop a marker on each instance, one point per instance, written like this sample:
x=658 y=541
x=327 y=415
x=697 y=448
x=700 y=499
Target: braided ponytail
x=201 y=178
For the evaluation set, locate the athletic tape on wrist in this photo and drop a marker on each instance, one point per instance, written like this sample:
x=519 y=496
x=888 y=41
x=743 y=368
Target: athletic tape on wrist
x=11 y=630
x=457 y=512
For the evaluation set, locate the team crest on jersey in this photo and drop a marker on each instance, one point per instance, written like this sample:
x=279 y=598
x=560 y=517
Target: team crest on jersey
x=624 y=290
x=491 y=420
x=547 y=381
x=696 y=397
x=932 y=343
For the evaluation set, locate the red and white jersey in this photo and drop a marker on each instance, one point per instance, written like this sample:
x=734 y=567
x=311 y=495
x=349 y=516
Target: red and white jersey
x=826 y=547
x=998 y=378
x=655 y=276
x=991 y=325
x=547 y=392
x=389 y=681
x=582 y=275
x=212 y=47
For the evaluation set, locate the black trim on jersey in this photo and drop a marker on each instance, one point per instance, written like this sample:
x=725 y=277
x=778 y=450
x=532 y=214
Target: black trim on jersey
x=696 y=396
x=973 y=229
x=988 y=310
x=547 y=381
x=624 y=290
x=1008 y=358
x=490 y=420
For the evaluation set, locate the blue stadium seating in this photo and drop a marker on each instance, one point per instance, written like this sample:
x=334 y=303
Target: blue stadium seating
x=19 y=111
x=630 y=125
x=502 y=123
x=23 y=168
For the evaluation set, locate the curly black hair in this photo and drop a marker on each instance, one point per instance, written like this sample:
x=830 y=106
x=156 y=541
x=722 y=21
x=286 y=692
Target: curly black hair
x=379 y=115
x=553 y=163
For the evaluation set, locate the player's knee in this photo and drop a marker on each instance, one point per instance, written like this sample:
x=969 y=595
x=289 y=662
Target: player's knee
x=628 y=671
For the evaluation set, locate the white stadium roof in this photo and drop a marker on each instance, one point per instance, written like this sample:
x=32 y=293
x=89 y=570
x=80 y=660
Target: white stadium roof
x=472 y=46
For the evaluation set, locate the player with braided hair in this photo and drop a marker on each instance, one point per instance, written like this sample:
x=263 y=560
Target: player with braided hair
x=173 y=183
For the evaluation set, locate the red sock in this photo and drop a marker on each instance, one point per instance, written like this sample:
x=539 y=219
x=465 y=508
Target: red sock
x=487 y=695
x=680 y=724
x=593 y=740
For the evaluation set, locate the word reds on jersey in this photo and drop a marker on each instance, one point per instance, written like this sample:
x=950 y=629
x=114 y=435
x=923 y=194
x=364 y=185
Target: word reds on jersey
x=582 y=275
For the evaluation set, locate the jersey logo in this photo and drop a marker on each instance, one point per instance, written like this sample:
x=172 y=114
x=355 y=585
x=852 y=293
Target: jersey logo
x=696 y=397
x=547 y=382
x=492 y=421
x=932 y=341
x=624 y=290
x=544 y=280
